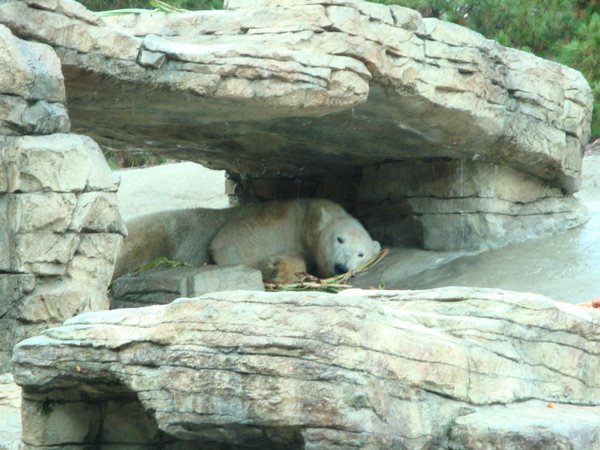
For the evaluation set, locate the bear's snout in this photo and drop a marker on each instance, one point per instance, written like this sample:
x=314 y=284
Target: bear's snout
x=340 y=268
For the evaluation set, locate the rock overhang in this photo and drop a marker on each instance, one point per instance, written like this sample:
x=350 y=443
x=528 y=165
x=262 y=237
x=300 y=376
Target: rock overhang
x=335 y=99
x=291 y=88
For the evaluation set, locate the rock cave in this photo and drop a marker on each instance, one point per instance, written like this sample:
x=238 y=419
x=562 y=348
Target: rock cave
x=433 y=136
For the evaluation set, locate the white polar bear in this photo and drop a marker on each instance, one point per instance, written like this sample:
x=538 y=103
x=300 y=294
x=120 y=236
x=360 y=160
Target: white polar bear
x=282 y=238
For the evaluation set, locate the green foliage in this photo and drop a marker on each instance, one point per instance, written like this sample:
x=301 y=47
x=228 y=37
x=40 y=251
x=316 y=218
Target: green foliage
x=123 y=159
x=583 y=53
x=192 y=5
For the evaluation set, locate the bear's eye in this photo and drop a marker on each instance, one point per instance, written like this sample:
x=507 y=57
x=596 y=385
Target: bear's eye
x=360 y=255
x=340 y=240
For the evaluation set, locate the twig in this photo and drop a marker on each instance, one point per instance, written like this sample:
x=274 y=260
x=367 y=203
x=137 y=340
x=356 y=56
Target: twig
x=334 y=284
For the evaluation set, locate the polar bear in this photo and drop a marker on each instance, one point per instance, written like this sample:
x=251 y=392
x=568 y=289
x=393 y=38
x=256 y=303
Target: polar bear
x=181 y=235
x=282 y=238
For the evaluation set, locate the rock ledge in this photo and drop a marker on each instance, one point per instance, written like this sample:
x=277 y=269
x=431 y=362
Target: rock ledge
x=364 y=369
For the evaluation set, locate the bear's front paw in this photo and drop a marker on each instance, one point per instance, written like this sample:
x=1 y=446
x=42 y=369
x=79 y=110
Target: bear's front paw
x=283 y=269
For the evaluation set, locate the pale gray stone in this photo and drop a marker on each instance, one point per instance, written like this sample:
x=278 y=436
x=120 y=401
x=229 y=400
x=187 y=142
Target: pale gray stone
x=95 y=272
x=19 y=117
x=452 y=180
x=293 y=77
x=529 y=425
x=53 y=186
x=99 y=245
x=101 y=178
x=227 y=278
x=58 y=162
x=32 y=92
x=56 y=300
x=14 y=287
x=69 y=8
x=41 y=211
x=97 y=212
x=452 y=205
x=3 y=174
x=47 y=163
x=562 y=266
x=162 y=286
x=370 y=369
x=44 y=252
x=52 y=423
x=94 y=260
x=590 y=189
x=152 y=59
x=10 y=413
x=138 y=426
x=167 y=187
x=65 y=31
x=29 y=69
x=5 y=244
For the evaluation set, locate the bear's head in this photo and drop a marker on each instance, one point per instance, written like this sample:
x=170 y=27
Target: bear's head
x=343 y=244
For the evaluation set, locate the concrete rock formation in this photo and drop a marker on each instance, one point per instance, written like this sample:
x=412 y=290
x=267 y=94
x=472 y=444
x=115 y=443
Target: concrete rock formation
x=308 y=370
x=162 y=286
x=60 y=228
x=10 y=413
x=434 y=135
x=335 y=98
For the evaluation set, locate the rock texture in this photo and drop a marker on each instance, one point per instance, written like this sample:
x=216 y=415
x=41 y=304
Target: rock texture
x=303 y=99
x=460 y=204
x=162 y=286
x=60 y=228
x=590 y=189
x=529 y=425
x=10 y=413
x=305 y=370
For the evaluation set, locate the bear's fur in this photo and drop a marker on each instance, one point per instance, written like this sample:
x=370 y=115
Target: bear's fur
x=282 y=238
x=181 y=235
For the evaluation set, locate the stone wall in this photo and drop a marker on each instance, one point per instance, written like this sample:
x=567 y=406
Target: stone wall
x=60 y=228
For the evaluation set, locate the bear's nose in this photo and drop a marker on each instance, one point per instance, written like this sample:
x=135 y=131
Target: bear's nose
x=340 y=268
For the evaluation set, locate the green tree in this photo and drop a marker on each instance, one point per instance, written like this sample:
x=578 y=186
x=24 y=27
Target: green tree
x=583 y=53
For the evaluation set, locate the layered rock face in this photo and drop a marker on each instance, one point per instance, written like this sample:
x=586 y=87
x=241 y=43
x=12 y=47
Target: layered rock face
x=448 y=368
x=60 y=228
x=434 y=135
x=339 y=99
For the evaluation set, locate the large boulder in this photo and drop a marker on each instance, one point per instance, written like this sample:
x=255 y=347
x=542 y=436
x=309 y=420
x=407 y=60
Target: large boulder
x=336 y=98
x=309 y=370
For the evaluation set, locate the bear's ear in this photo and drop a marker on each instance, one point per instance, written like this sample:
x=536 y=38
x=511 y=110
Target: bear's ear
x=376 y=247
x=324 y=219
